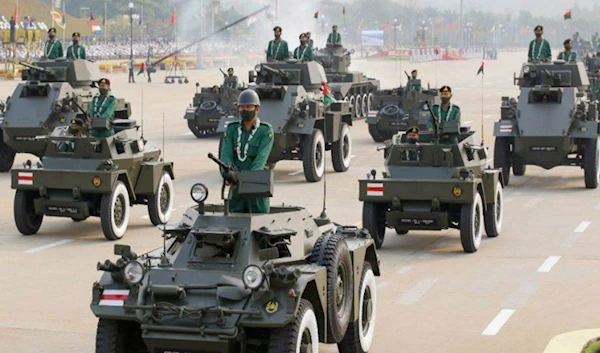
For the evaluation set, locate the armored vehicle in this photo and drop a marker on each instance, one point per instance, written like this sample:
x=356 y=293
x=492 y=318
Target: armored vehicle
x=279 y=282
x=292 y=101
x=80 y=177
x=350 y=85
x=433 y=186
x=209 y=106
x=551 y=123
x=396 y=110
x=48 y=97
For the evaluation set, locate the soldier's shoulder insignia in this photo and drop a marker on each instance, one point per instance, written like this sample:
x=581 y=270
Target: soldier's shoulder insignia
x=270 y=135
x=266 y=124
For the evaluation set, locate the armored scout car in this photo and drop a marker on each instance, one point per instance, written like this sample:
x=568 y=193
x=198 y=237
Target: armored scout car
x=304 y=128
x=81 y=177
x=432 y=186
x=49 y=97
x=280 y=283
x=350 y=85
x=551 y=124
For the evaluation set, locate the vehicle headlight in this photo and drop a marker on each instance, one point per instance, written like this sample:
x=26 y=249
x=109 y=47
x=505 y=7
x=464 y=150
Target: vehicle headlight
x=526 y=69
x=257 y=68
x=133 y=272
x=253 y=277
x=425 y=108
x=199 y=192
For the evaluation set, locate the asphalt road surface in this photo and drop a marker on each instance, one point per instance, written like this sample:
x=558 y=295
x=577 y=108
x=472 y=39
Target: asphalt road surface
x=533 y=282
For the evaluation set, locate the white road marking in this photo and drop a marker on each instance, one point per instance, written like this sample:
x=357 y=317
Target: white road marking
x=404 y=269
x=494 y=327
x=582 y=226
x=521 y=295
x=296 y=172
x=416 y=292
x=186 y=134
x=548 y=264
x=49 y=246
x=468 y=122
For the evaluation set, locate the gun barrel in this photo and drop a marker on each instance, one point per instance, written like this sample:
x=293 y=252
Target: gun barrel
x=224 y=74
x=35 y=67
x=219 y=162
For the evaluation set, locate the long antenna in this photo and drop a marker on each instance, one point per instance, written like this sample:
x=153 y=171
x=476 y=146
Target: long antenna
x=142 y=111
x=163 y=136
x=482 y=131
x=323 y=213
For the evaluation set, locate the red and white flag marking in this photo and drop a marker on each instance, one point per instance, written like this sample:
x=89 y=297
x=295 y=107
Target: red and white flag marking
x=114 y=297
x=374 y=189
x=372 y=113
x=505 y=128
x=25 y=178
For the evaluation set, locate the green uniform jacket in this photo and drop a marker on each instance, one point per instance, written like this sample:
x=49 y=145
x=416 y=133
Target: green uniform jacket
x=103 y=108
x=453 y=114
x=409 y=155
x=278 y=51
x=411 y=87
x=76 y=52
x=305 y=54
x=539 y=51
x=334 y=38
x=231 y=82
x=258 y=154
x=53 y=50
x=594 y=89
x=571 y=57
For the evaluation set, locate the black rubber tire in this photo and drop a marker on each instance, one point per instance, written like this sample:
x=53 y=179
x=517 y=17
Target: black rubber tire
x=373 y=219
x=400 y=231
x=377 y=135
x=114 y=231
x=26 y=220
x=332 y=252
x=114 y=336
x=356 y=340
x=7 y=155
x=494 y=213
x=194 y=129
x=271 y=165
x=518 y=166
x=155 y=206
x=471 y=225
x=502 y=158
x=285 y=339
x=341 y=150
x=312 y=172
x=590 y=164
x=74 y=219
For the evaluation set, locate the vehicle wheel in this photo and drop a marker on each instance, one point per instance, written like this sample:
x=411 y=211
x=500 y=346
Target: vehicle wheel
x=341 y=151
x=352 y=100
x=493 y=214
x=186 y=80
x=160 y=205
x=114 y=212
x=369 y=101
x=502 y=158
x=332 y=252
x=76 y=219
x=377 y=135
x=359 y=106
x=300 y=335
x=194 y=129
x=471 y=225
x=7 y=155
x=28 y=222
x=313 y=156
x=400 y=231
x=166 y=80
x=518 y=166
x=115 y=336
x=590 y=163
x=365 y=105
x=359 y=335
x=373 y=219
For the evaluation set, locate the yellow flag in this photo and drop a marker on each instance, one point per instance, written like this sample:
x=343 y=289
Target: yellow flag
x=493 y=29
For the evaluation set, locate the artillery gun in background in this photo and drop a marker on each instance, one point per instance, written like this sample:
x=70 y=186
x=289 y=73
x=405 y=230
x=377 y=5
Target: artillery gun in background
x=304 y=128
x=277 y=282
x=396 y=110
x=209 y=106
x=53 y=93
x=551 y=124
x=442 y=186
x=353 y=86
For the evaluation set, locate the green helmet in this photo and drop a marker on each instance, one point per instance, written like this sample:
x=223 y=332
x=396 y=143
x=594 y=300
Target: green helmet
x=248 y=97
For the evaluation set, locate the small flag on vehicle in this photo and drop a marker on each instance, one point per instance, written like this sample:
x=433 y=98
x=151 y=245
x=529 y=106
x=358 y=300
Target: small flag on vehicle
x=567 y=15
x=480 y=71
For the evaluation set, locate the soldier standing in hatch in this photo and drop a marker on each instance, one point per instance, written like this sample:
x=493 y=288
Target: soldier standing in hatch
x=413 y=78
x=231 y=81
x=303 y=52
x=568 y=55
x=53 y=48
x=442 y=113
x=75 y=130
x=412 y=137
x=247 y=145
x=277 y=50
x=103 y=106
x=334 y=37
x=309 y=41
x=539 y=48
x=76 y=51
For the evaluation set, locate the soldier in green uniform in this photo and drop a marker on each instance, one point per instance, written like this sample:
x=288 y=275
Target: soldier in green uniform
x=103 y=106
x=53 y=48
x=539 y=48
x=412 y=137
x=231 y=81
x=595 y=86
x=309 y=41
x=247 y=145
x=76 y=51
x=76 y=130
x=303 y=52
x=412 y=85
x=334 y=37
x=277 y=50
x=442 y=113
x=568 y=55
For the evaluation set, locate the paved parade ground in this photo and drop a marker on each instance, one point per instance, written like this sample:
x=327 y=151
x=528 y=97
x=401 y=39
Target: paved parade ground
x=535 y=281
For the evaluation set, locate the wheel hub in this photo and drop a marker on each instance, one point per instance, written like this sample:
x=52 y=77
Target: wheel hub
x=367 y=310
x=119 y=210
x=165 y=194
